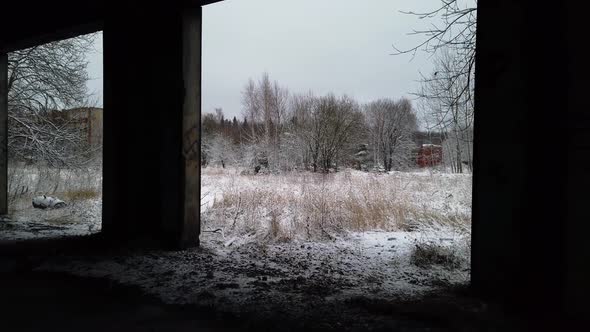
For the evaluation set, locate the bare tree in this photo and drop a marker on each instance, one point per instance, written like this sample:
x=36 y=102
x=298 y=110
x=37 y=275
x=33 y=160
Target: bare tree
x=251 y=107
x=300 y=125
x=447 y=109
x=279 y=108
x=222 y=151
x=265 y=103
x=265 y=97
x=452 y=27
x=42 y=80
x=327 y=125
x=391 y=125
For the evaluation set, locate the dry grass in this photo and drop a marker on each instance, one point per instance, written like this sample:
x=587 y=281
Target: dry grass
x=314 y=206
x=81 y=194
x=25 y=182
x=33 y=180
x=218 y=171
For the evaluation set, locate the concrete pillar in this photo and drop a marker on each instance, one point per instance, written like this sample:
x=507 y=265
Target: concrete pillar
x=3 y=133
x=152 y=103
x=532 y=151
x=191 y=126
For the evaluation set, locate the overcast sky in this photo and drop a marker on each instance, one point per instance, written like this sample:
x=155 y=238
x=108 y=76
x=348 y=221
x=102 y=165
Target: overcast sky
x=340 y=46
x=95 y=70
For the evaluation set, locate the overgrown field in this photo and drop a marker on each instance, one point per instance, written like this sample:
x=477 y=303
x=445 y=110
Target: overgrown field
x=312 y=206
x=309 y=247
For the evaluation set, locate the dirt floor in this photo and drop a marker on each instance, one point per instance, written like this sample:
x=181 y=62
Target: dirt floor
x=60 y=302
x=35 y=300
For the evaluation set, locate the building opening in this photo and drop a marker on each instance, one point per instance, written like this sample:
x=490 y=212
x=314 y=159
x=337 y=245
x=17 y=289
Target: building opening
x=334 y=167
x=55 y=131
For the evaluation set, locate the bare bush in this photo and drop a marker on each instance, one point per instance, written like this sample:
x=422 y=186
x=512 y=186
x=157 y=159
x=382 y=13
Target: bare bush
x=445 y=241
x=425 y=255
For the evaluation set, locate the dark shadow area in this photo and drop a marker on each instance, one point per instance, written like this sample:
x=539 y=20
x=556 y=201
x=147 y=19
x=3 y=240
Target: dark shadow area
x=61 y=302
x=67 y=302
x=34 y=301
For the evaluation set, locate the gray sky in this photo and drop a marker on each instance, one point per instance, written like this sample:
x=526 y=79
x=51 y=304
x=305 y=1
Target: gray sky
x=340 y=46
x=95 y=70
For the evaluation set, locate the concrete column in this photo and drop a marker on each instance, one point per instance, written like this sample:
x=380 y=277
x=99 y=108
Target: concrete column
x=532 y=151
x=500 y=164
x=3 y=133
x=152 y=75
x=191 y=126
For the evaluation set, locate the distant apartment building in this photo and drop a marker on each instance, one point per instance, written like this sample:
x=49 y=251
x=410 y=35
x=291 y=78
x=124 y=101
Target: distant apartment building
x=87 y=119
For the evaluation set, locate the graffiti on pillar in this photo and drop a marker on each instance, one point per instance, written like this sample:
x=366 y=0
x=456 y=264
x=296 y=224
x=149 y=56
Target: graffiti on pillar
x=191 y=144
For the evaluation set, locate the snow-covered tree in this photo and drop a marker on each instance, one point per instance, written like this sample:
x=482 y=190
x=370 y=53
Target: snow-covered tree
x=448 y=109
x=391 y=125
x=43 y=80
x=265 y=106
x=222 y=151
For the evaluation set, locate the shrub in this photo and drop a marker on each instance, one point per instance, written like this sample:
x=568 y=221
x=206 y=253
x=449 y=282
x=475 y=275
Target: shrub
x=81 y=194
x=427 y=254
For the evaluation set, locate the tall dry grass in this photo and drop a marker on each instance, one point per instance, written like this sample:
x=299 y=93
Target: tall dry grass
x=322 y=206
x=27 y=181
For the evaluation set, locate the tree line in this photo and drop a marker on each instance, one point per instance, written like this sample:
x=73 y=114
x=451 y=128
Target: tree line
x=282 y=131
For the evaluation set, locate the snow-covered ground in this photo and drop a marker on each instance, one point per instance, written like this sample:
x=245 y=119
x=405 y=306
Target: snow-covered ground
x=303 y=280
x=253 y=267
x=303 y=245
x=81 y=217
x=81 y=189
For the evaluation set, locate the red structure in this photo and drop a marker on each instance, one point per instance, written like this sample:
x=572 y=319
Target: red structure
x=429 y=155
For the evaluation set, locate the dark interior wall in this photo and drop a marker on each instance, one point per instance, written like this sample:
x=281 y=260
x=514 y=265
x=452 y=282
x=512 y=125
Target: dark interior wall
x=500 y=164
x=530 y=200
x=577 y=145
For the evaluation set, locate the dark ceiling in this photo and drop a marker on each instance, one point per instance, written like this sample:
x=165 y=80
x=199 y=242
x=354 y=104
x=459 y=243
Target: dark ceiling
x=28 y=23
